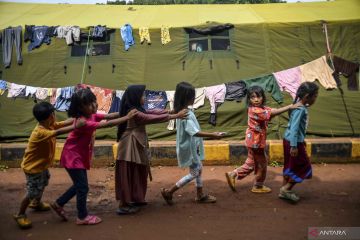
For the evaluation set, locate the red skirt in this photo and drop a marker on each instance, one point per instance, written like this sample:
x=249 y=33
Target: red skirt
x=296 y=168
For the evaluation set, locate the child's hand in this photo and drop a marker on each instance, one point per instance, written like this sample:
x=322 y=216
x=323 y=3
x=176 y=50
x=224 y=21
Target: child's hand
x=219 y=135
x=183 y=114
x=296 y=105
x=293 y=151
x=80 y=122
x=132 y=113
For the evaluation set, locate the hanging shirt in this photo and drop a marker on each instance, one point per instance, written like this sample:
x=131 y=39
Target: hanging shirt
x=165 y=35
x=30 y=91
x=348 y=69
x=235 y=91
x=99 y=31
x=127 y=36
x=258 y=119
x=269 y=84
x=16 y=90
x=170 y=97
x=41 y=93
x=155 y=100
x=116 y=100
x=63 y=101
x=56 y=93
x=216 y=96
x=38 y=37
x=70 y=33
x=289 y=80
x=144 y=35
x=318 y=70
x=3 y=86
x=199 y=98
x=103 y=97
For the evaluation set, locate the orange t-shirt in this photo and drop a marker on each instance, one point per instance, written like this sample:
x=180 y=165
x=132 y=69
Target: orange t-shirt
x=258 y=119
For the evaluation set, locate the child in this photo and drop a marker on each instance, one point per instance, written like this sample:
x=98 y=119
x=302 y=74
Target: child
x=297 y=165
x=255 y=140
x=132 y=163
x=189 y=145
x=77 y=153
x=38 y=157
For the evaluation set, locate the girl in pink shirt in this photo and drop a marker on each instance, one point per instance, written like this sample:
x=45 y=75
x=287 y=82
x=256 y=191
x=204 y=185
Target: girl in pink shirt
x=77 y=152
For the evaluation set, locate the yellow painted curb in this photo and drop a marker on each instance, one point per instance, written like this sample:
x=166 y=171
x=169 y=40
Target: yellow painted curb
x=217 y=152
x=276 y=151
x=115 y=149
x=58 y=151
x=355 y=148
x=308 y=148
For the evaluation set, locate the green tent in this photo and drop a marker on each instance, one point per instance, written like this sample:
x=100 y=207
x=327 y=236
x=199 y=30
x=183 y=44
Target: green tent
x=266 y=38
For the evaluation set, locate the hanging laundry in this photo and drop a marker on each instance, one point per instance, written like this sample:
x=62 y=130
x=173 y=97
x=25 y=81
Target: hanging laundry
x=16 y=90
x=41 y=93
x=289 y=80
x=155 y=100
x=63 y=101
x=30 y=91
x=116 y=101
x=269 y=84
x=99 y=31
x=348 y=69
x=49 y=92
x=40 y=35
x=28 y=32
x=56 y=93
x=70 y=33
x=127 y=37
x=165 y=35
x=103 y=97
x=235 y=91
x=320 y=70
x=144 y=35
x=10 y=36
x=3 y=87
x=199 y=98
x=170 y=97
x=216 y=96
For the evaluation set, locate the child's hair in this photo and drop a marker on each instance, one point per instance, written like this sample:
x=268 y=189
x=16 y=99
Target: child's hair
x=42 y=111
x=131 y=99
x=184 y=94
x=81 y=97
x=305 y=88
x=259 y=93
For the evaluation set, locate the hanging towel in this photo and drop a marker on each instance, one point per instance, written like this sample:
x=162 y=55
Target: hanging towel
x=116 y=100
x=30 y=91
x=165 y=35
x=144 y=35
x=103 y=97
x=235 y=91
x=348 y=69
x=216 y=96
x=199 y=98
x=320 y=70
x=155 y=100
x=289 y=80
x=3 y=86
x=16 y=90
x=127 y=36
x=269 y=84
x=63 y=101
x=41 y=93
x=170 y=97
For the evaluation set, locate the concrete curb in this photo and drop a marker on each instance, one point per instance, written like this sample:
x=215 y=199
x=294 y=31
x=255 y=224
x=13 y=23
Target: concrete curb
x=335 y=150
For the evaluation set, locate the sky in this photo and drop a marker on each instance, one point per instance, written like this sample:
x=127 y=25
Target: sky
x=100 y=1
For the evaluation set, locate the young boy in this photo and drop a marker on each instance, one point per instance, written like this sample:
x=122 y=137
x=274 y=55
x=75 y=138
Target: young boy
x=38 y=157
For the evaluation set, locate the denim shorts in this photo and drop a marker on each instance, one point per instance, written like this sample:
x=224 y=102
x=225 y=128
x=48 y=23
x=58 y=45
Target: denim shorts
x=36 y=183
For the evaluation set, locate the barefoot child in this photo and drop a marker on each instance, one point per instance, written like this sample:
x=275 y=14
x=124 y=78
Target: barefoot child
x=255 y=140
x=297 y=166
x=189 y=146
x=77 y=153
x=38 y=157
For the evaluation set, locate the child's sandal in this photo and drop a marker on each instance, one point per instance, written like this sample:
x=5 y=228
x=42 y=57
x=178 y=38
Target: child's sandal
x=167 y=197
x=288 y=195
x=206 y=199
x=41 y=207
x=22 y=221
x=230 y=181
x=59 y=211
x=262 y=189
x=89 y=220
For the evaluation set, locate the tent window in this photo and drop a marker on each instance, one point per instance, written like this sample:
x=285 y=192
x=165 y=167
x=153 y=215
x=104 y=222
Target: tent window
x=94 y=50
x=212 y=41
x=78 y=51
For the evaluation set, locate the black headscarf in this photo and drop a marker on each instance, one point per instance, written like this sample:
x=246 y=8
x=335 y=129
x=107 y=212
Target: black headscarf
x=130 y=100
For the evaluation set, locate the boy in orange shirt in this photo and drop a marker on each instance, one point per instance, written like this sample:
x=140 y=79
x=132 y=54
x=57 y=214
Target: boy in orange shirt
x=38 y=157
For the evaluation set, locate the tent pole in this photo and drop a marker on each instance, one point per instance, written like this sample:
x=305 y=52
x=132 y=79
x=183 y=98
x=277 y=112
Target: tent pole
x=87 y=47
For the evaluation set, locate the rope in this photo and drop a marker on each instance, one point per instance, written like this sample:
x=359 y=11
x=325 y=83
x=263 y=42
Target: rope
x=86 y=53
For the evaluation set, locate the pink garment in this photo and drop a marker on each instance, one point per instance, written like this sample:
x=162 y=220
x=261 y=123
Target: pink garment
x=289 y=80
x=215 y=94
x=78 y=147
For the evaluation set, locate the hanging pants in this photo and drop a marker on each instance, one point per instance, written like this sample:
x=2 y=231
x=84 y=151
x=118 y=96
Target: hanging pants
x=11 y=36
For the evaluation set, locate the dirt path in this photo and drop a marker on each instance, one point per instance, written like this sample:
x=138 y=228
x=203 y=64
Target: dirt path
x=331 y=198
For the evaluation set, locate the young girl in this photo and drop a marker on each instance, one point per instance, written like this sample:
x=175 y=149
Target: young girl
x=77 y=152
x=132 y=164
x=255 y=140
x=189 y=145
x=297 y=165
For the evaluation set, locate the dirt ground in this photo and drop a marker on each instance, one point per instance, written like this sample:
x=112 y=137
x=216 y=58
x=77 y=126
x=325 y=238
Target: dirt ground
x=331 y=199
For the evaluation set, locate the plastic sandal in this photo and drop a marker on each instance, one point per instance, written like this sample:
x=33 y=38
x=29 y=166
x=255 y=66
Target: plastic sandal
x=127 y=210
x=288 y=195
x=262 y=189
x=22 y=221
x=206 y=199
x=89 y=220
x=230 y=181
x=167 y=197
x=41 y=207
x=59 y=211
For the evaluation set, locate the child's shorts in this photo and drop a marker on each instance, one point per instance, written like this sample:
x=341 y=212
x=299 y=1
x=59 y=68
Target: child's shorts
x=36 y=183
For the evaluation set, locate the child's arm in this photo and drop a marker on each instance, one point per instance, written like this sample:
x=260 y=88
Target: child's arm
x=277 y=111
x=111 y=116
x=67 y=129
x=215 y=135
x=118 y=121
x=68 y=122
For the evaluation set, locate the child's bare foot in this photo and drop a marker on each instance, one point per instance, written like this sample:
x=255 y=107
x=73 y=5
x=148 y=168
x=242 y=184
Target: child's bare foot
x=167 y=196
